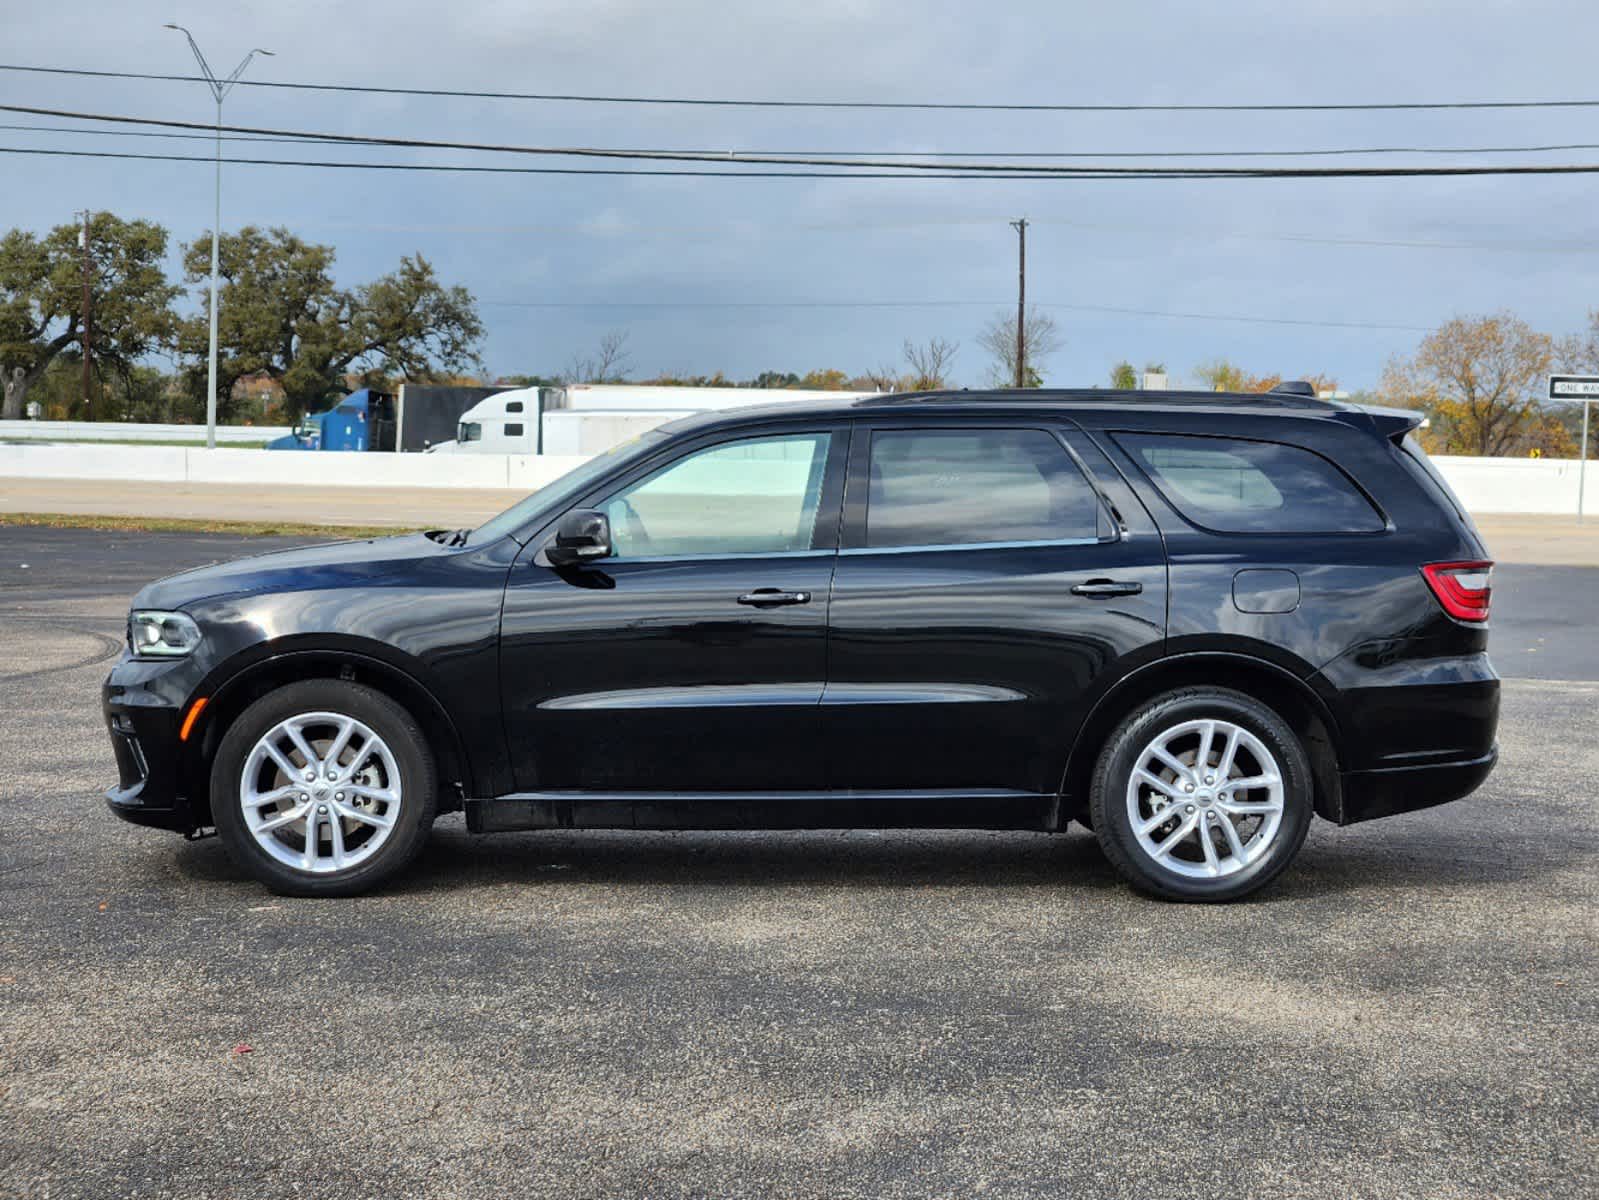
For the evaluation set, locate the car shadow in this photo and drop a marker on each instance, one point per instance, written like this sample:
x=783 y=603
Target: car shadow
x=1417 y=855
x=762 y=859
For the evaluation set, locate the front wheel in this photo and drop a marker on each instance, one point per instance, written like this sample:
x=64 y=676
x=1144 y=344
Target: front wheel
x=323 y=788
x=1202 y=794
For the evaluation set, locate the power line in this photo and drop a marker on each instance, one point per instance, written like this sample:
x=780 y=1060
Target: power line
x=901 y=105
x=1043 y=175
x=963 y=169
x=703 y=173
x=1339 y=151
x=687 y=172
x=188 y=137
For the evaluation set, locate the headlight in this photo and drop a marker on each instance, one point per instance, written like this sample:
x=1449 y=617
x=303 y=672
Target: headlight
x=162 y=634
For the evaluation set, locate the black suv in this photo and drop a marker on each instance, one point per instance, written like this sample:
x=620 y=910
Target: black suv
x=1188 y=621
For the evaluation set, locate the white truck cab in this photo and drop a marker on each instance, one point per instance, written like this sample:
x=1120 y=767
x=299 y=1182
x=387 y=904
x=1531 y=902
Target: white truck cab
x=507 y=423
x=584 y=419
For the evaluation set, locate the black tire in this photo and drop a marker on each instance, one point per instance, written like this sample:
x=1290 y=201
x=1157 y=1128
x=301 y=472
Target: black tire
x=406 y=742
x=1113 y=824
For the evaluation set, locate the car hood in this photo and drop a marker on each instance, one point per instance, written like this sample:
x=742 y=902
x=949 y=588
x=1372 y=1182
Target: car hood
x=302 y=569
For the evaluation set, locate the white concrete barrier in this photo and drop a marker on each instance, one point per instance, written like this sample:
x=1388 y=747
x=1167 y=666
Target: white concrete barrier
x=317 y=468
x=131 y=431
x=1520 y=485
x=1486 y=485
x=88 y=461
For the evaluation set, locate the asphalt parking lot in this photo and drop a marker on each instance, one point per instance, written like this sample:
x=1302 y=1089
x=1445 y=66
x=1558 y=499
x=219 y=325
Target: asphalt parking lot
x=1409 y=1012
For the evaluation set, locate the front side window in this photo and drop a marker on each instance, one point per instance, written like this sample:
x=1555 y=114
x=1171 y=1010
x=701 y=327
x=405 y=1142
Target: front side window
x=1239 y=486
x=956 y=487
x=754 y=496
x=471 y=431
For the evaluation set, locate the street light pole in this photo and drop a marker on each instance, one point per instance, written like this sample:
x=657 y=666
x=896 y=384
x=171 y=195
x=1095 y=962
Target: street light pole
x=1020 y=226
x=219 y=89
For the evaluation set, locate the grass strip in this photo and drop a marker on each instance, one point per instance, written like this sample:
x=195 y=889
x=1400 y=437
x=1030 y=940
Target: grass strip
x=199 y=525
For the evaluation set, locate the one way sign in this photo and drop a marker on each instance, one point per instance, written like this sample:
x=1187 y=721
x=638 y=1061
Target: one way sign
x=1574 y=387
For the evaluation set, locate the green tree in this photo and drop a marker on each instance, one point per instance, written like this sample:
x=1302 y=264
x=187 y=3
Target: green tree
x=824 y=379
x=1124 y=376
x=281 y=315
x=41 y=300
x=1224 y=376
x=776 y=379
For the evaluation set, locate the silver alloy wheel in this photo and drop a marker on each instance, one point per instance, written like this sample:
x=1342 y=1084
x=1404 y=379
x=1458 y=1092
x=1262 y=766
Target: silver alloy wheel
x=320 y=792
x=1205 y=799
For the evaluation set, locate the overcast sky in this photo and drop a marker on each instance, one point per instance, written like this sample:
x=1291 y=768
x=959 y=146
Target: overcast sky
x=1193 y=247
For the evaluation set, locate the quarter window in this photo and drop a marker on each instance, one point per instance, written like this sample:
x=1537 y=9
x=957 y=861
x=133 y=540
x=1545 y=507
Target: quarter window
x=513 y=431
x=1239 y=486
x=754 y=496
x=957 y=487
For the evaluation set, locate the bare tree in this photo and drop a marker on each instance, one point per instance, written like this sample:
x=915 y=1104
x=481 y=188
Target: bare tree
x=608 y=364
x=883 y=379
x=930 y=363
x=1041 y=337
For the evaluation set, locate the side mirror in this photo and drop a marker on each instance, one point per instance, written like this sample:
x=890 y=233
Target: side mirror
x=582 y=535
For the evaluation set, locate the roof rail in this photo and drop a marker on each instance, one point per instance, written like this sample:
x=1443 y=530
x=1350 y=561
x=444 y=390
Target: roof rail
x=1295 y=387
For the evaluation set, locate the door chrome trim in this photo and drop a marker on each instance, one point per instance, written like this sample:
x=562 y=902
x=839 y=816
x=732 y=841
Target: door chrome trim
x=733 y=695
x=918 y=693
x=940 y=548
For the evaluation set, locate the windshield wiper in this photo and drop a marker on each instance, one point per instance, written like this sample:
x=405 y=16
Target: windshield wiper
x=448 y=537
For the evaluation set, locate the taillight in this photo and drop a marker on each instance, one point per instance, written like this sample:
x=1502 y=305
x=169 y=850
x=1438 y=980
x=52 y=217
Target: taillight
x=1461 y=587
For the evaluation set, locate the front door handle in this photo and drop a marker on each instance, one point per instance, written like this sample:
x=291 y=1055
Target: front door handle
x=1100 y=589
x=772 y=597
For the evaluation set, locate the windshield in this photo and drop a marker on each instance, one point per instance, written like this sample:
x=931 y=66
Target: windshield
x=567 y=488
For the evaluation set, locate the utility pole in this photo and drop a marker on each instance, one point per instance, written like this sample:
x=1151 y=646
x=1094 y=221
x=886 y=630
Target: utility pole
x=219 y=90
x=88 y=326
x=1020 y=226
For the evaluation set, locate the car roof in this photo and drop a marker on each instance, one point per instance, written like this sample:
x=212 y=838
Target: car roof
x=1075 y=401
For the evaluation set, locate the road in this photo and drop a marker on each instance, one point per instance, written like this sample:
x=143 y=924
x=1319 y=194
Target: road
x=1408 y=1013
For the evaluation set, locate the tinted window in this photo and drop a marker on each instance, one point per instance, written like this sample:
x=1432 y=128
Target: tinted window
x=755 y=496
x=1239 y=486
x=945 y=487
x=1415 y=458
x=512 y=406
x=513 y=431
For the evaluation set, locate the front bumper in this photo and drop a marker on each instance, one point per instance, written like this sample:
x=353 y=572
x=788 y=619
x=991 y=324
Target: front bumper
x=142 y=721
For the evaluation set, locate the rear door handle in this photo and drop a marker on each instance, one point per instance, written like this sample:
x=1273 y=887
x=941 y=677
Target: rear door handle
x=1101 y=589
x=772 y=597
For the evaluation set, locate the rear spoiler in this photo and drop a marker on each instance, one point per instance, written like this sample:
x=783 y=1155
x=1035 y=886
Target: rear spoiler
x=1392 y=424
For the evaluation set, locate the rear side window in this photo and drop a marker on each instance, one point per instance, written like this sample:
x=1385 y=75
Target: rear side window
x=512 y=406
x=956 y=487
x=1239 y=486
x=1415 y=458
x=513 y=431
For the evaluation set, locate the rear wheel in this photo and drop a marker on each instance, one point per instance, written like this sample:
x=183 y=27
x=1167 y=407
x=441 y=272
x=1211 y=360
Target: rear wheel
x=1202 y=794
x=323 y=788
